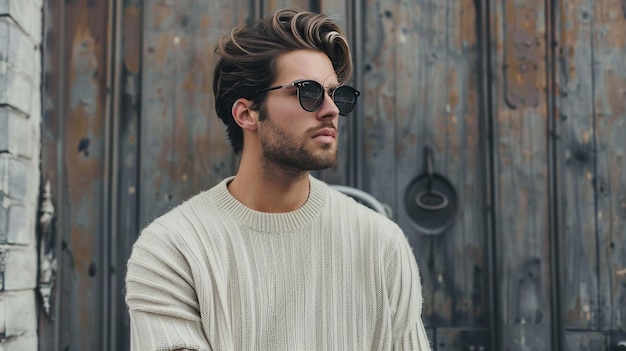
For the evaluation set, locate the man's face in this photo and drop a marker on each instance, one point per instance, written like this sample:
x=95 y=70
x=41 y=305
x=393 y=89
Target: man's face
x=290 y=136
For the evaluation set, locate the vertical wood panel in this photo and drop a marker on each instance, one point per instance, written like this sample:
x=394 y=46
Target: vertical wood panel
x=125 y=188
x=593 y=202
x=379 y=108
x=84 y=151
x=183 y=143
x=609 y=101
x=421 y=83
x=576 y=151
x=521 y=175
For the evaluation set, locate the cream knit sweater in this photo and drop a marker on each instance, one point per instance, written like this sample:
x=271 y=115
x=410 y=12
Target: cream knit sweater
x=213 y=274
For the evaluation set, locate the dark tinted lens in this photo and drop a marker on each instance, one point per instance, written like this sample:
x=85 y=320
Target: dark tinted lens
x=311 y=95
x=345 y=99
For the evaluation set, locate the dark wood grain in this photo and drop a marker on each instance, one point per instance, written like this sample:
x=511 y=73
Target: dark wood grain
x=522 y=213
x=421 y=90
x=577 y=166
x=126 y=117
x=183 y=144
x=591 y=105
x=609 y=101
x=82 y=261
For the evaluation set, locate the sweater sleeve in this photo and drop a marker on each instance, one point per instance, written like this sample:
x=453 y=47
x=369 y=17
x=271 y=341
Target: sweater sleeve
x=162 y=303
x=405 y=296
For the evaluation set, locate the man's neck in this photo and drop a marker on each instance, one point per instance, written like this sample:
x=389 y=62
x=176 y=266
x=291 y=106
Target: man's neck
x=270 y=189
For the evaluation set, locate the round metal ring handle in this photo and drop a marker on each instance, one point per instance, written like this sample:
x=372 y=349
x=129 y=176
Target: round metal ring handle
x=430 y=200
x=427 y=200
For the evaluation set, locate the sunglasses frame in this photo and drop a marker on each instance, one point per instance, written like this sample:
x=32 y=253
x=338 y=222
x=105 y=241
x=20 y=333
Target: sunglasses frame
x=318 y=102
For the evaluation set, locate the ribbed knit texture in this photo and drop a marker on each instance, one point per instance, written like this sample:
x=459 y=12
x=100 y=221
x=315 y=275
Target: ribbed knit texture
x=213 y=274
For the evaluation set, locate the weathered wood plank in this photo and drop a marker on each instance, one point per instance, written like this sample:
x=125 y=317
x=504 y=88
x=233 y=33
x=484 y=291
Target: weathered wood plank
x=378 y=168
x=422 y=96
x=183 y=144
x=593 y=206
x=420 y=90
x=83 y=274
x=576 y=166
x=522 y=237
x=576 y=161
x=125 y=214
x=609 y=96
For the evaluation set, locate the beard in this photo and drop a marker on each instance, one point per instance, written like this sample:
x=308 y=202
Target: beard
x=289 y=152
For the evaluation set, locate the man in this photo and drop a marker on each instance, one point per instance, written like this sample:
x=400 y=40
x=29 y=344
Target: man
x=272 y=258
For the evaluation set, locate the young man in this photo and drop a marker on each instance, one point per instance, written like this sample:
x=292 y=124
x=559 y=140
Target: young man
x=272 y=258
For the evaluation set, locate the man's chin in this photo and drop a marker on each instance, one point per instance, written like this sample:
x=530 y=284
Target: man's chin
x=323 y=163
x=321 y=167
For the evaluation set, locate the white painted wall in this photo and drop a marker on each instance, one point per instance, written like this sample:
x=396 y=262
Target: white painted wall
x=20 y=118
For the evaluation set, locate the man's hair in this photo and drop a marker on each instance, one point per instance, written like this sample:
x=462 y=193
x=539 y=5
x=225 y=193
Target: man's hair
x=248 y=57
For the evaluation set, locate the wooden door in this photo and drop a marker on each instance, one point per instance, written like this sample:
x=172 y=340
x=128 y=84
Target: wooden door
x=424 y=80
x=521 y=102
x=590 y=133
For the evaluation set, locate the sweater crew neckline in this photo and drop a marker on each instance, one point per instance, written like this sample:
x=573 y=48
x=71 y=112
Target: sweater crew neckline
x=271 y=222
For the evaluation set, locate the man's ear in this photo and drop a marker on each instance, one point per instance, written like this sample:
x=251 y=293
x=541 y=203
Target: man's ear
x=243 y=114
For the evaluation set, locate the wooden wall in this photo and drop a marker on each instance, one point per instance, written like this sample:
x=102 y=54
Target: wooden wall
x=75 y=160
x=522 y=103
x=421 y=78
x=590 y=110
x=521 y=175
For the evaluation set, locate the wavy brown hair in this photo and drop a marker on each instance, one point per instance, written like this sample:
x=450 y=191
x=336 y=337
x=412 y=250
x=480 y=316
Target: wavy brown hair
x=248 y=56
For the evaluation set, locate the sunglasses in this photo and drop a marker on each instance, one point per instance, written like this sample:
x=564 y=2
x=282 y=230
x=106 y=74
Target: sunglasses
x=311 y=95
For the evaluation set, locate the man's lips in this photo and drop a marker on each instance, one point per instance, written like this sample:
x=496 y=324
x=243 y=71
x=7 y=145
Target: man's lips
x=326 y=135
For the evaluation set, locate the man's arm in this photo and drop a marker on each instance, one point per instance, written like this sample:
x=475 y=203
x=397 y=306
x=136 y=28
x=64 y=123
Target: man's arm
x=405 y=294
x=162 y=302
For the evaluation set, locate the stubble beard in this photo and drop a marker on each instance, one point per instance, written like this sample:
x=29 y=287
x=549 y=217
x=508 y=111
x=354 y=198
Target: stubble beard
x=289 y=154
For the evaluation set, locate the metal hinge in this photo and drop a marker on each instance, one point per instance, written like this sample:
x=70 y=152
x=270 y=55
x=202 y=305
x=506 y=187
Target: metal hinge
x=47 y=254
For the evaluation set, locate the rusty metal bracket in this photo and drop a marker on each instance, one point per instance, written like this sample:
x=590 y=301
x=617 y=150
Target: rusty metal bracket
x=521 y=56
x=47 y=255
